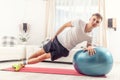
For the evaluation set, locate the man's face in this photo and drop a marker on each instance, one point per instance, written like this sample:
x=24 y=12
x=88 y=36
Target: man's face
x=95 y=21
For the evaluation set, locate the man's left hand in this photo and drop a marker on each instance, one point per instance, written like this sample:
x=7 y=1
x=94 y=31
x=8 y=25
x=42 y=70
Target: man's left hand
x=90 y=50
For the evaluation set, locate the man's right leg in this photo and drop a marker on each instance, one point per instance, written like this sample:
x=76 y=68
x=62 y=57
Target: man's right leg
x=37 y=53
x=33 y=57
x=40 y=58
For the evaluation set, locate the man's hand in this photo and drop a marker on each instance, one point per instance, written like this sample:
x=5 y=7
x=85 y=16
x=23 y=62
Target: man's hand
x=90 y=50
x=52 y=38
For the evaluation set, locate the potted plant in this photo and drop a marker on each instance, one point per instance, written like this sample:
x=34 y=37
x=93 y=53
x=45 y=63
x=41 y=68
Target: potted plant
x=24 y=38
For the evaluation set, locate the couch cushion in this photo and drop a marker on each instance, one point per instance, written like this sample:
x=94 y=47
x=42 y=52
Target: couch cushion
x=12 y=53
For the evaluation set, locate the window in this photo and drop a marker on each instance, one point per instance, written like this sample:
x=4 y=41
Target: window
x=67 y=10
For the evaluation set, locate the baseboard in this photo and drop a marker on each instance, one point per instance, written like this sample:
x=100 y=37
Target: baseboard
x=12 y=60
x=8 y=60
x=58 y=62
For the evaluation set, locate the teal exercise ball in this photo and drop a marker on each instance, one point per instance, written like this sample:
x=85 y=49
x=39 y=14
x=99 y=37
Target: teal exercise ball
x=98 y=64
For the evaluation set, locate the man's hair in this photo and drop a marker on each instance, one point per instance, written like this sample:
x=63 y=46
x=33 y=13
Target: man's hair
x=98 y=15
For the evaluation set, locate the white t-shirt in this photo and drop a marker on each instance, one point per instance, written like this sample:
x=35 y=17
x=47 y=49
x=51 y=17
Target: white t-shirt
x=70 y=38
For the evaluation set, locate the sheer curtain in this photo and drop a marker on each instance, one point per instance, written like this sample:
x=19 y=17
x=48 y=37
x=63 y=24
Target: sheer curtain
x=103 y=28
x=67 y=10
x=50 y=18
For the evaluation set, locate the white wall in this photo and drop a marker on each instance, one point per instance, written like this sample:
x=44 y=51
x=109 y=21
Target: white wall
x=15 y=12
x=112 y=11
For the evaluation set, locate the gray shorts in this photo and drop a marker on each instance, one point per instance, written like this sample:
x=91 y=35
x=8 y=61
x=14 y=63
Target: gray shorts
x=56 y=49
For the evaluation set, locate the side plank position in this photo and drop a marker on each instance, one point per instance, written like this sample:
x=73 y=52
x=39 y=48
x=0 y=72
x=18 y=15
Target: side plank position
x=61 y=44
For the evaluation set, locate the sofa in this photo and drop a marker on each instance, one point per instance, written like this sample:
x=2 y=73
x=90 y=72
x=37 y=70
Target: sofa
x=31 y=49
x=20 y=52
x=11 y=50
x=12 y=53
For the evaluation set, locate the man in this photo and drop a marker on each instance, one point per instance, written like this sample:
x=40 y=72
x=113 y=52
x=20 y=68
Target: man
x=61 y=44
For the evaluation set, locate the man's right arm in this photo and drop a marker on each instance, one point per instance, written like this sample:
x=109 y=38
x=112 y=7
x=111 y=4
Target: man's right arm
x=68 y=24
